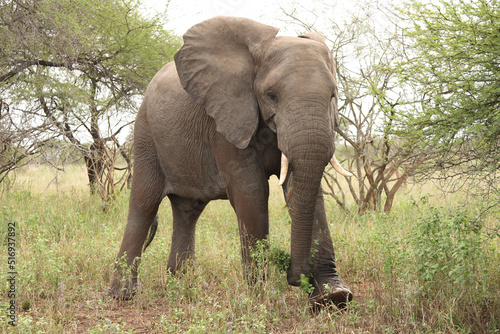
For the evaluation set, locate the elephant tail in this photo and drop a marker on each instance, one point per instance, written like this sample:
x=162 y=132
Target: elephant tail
x=152 y=233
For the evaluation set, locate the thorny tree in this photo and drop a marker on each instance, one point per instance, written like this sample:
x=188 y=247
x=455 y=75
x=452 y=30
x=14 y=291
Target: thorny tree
x=452 y=70
x=75 y=69
x=19 y=141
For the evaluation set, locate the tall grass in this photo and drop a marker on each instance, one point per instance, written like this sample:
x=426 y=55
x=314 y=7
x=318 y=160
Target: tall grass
x=428 y=267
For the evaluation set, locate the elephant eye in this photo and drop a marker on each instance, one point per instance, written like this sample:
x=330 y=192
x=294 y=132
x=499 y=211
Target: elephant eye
x=272 y=96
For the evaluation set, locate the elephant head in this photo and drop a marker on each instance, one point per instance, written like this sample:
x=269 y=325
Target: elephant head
x=243 y=76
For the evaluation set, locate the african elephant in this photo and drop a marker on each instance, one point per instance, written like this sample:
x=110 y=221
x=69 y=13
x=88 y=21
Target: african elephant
x=236 y=106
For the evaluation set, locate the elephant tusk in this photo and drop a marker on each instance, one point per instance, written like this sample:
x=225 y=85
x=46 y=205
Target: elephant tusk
x=284 y=169
x=339 y=168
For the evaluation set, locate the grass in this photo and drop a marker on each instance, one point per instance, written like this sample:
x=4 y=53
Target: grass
x=428 y=267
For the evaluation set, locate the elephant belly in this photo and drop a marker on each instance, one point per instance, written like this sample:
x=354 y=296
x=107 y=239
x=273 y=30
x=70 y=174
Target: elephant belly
x=188 y=178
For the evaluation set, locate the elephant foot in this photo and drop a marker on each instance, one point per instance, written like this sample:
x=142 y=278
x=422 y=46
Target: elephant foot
x=122 y=289
x=331 y=293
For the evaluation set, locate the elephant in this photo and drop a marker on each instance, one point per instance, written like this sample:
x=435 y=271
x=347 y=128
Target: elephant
x=237 y=105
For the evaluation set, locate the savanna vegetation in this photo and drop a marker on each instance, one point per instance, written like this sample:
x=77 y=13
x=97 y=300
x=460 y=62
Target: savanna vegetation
x=429 y=266
x=416 y=231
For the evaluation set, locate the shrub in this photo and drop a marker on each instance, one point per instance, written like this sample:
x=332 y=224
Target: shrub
x=451 y=253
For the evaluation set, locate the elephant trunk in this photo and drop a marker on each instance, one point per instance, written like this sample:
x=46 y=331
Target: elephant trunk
x=304 y=184
x=308 y=147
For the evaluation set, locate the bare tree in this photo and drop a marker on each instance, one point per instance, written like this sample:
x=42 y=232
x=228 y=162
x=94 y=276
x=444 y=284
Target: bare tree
x=20 y=141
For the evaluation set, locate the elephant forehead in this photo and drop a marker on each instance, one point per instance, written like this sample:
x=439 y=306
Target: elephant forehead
x=293 y=49
x=300 y=67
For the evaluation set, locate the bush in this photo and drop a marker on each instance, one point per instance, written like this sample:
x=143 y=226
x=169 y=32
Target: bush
x=448 y=248
x=452 y=255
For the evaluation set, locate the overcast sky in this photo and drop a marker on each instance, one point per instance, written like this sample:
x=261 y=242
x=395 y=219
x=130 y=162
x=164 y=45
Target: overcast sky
x=185 y=13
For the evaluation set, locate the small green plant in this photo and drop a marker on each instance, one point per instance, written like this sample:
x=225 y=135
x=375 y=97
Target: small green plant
x=305 y=283
x=265 y=255
x=26 y=305
x=126 y=272
x=254 y=321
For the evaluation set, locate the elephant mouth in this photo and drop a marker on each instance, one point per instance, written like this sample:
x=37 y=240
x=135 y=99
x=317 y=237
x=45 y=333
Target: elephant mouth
x=335 y=163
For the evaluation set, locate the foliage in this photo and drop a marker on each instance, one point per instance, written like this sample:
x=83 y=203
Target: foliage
x=452 y=75
x=77 y=68
x=305 y=284
x=266 y=255
x=453 y=263
x=449 y=248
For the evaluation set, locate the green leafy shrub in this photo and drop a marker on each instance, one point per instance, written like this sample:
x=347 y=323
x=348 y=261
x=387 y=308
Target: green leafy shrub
x=449 y=249
x=452 y=254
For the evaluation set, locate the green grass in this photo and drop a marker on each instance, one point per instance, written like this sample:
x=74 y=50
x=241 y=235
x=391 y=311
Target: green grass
x=427 y=267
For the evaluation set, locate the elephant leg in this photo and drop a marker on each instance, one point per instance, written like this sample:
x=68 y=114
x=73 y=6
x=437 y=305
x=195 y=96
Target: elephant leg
x=248 y=191
x=185 y=215
x=327 y=285
x=145 y=197
x=251 y=206
x=139 y=222
x=253 y=223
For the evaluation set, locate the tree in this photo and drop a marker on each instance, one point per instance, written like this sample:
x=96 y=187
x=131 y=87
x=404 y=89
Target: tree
x=452 y=64
x=18 y=142
x=77 y=67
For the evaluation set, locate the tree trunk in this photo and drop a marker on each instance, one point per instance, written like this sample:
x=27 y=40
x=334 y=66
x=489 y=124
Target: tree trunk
x=94 y=160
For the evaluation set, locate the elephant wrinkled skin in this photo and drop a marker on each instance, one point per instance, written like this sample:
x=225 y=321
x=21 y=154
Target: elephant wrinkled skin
x=216 y=124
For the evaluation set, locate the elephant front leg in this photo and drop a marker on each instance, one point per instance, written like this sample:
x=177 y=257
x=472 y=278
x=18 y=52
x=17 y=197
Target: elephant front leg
x=248 y=191
x=328 y=288
x=251 y=209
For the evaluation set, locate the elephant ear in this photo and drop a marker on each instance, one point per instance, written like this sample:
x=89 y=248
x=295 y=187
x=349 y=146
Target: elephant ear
x=216 y=68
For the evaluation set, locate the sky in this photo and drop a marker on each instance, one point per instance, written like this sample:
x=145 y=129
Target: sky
x=183 y=14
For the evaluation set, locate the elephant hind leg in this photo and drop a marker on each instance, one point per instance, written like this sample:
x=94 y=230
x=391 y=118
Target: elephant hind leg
x=185 y=215
x=145 y=198
x=141 y=223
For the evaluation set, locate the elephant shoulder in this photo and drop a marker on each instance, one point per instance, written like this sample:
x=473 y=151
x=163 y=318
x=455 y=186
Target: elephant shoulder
x=165 y=80
x=165 y=95
x=171 y=112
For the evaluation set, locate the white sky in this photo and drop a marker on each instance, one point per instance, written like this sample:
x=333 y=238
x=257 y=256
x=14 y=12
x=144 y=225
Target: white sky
x=183 y=14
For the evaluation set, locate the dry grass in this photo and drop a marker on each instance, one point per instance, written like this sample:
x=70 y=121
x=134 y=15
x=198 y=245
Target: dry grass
x=66 y=247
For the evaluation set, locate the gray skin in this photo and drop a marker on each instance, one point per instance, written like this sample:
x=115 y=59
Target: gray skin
x=213 y=125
